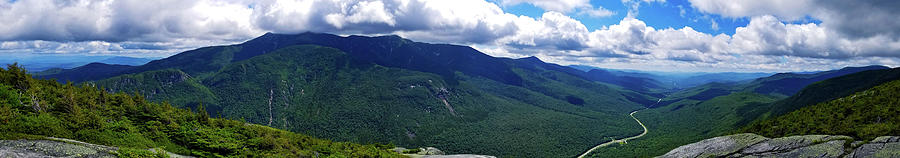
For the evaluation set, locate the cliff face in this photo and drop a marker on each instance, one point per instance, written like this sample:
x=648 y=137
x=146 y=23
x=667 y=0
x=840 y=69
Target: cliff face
x=752 y=145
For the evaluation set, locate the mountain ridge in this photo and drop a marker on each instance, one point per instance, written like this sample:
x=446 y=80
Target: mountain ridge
x=306 y=88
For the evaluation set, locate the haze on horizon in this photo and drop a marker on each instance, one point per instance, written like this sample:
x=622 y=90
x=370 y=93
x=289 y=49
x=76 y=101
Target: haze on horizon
x=655 y=35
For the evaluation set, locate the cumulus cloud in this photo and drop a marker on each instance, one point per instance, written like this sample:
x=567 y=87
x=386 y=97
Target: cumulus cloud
x=854 y=19
x=767 y=43
x=120 y=20
x=472 y=21
x=552 y=31
x=793 y=9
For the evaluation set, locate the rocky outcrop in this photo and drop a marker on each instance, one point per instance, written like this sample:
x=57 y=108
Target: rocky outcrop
x=458 y=156
x=48 y=148
x=752 y=145
x=59 y=147
x=431 y=152
x=885 y=146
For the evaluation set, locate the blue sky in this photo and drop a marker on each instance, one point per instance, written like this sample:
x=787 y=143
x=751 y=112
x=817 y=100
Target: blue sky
x=657 y=15
x=657 y=35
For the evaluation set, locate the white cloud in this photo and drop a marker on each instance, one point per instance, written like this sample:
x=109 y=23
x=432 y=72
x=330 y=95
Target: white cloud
x=362 y=12
x=583 y=7
x=552 y=31
x=146 y=49
x=854 y=19
x=767 y=35
x=767 y=43
x=473 y=21
x=552 y=5
x=599 y=12
x=120 y=20
x=792 y=9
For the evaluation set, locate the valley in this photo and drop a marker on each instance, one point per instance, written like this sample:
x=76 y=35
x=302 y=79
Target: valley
x=619 y=141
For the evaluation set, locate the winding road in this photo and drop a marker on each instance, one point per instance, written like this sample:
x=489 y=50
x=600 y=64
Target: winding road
x=620 y=140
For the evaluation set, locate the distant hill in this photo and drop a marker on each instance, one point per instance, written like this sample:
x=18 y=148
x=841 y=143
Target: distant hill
x=38 y=63
x=721 y=77
x=83 y=73
x=680 y=80
x=789 y=83
x=782 y=85
x=122 y=60
x=634 y=82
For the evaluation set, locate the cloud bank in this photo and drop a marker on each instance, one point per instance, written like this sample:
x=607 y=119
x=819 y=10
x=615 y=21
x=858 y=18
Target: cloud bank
x=776 y=39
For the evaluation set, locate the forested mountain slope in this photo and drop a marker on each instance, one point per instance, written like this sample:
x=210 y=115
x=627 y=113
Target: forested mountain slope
x=863 y=124
x=865 y=114
x=33 y=109
x=392 y=90
x=790 y=83
x=833 y=88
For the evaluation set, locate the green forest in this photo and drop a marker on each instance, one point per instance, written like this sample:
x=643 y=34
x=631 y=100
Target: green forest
x=322 y=92
x=33 y=109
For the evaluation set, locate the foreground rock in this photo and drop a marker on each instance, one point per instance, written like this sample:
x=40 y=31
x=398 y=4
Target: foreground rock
x=48 y=148
x=752 y=145
x=880 y=147
x=431 y=152
x=59 y=147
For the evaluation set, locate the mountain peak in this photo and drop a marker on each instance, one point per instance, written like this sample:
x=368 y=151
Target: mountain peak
x=531 y=59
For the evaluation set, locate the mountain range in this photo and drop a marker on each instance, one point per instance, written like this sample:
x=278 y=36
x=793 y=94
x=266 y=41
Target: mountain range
x=391 y=90
x=388 y=89
x=37 y=63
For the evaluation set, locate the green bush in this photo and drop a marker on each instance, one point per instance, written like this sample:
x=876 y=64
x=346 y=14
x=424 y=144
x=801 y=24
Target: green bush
x=139 y=153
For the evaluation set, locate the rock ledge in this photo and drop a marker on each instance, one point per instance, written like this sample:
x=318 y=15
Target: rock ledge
x=752 y=145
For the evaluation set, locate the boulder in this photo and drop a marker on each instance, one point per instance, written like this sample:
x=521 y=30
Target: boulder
x=48 y=148
x=798 y=146
x=752 y=145
x=884 y=146
x=60 y=147
x=430 y=151
x=718 y=146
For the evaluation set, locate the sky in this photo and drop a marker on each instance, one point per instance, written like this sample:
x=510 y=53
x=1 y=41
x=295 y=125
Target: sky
x=656 y=35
